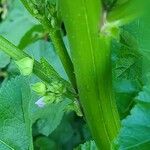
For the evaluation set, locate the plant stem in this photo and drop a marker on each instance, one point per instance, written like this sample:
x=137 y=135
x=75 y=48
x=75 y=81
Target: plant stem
x=57 y=41
x=18 y=54
x=91 y=55
x=61 y=50
x=126 y=12
x=56 y=38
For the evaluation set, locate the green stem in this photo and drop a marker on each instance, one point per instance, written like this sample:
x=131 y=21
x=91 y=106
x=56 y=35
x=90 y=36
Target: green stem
x=26 y=5
x=126 y=12
x=18 y=54
x=61 y=50
x=92 y=61
x=56 y=38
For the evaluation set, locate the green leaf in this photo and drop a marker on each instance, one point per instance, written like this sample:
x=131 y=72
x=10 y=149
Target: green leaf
x=15 y=125
x=135 y=130
x=141 y=31
x=53 y=1
x=129 y=67
x=49 y=117
x=4 y=146
x=17 y=23
x=127 y=71
x=90 y=145
x=4 y=59
x=126 y=12
x=44 y=49
x=44 y=143
x=18 y=113
x=125 y=92
x=65 y=133
x=34 y=34
x=128 y=64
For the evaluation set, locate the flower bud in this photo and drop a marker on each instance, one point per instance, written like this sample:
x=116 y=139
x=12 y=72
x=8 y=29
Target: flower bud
x=39 y=88
x=25 y=65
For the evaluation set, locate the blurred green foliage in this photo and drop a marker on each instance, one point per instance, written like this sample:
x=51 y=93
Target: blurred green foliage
x=130 y=60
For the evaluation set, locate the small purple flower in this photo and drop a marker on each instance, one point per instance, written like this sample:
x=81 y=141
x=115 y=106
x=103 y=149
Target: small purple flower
x=41 y=103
